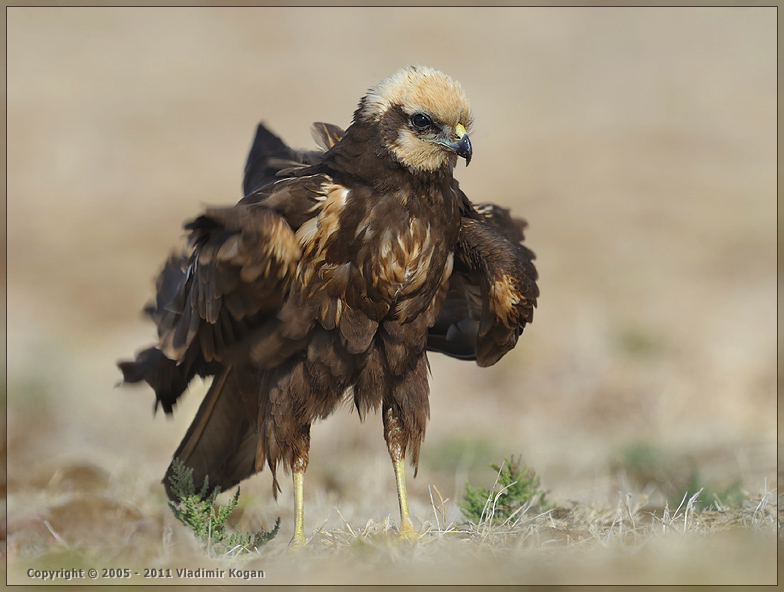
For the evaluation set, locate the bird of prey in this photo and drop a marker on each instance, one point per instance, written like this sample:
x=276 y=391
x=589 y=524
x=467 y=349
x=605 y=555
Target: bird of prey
x=331 y=280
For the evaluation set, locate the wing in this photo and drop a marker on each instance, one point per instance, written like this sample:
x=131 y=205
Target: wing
x=242 y=261
x=167 y=377
x=492 y=291
x=269 y=155
x=234 y=280
x=214 y=302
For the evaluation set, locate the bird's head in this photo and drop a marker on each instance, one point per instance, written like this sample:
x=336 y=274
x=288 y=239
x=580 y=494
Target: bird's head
x=423 y=117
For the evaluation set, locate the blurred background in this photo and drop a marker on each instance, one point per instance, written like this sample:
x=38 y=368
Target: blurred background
x=639 y=143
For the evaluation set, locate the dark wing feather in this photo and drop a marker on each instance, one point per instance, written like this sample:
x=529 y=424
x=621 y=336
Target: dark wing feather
x=241 y=262
x=269 y=156
x=326 y=135
x=502 y=221
x=492 y=291
x=213 y=303
x=297 y=199
x=168 y=378
x=457 y=326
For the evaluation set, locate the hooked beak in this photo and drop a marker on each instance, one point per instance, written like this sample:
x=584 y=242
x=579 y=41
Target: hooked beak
x=462 y=147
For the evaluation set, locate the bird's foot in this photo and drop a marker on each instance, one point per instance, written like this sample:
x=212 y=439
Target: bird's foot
x=406 y=531
x=297 y=541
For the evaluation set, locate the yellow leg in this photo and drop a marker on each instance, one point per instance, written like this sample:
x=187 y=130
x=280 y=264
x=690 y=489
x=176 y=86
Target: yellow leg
x=406 y=528
x=298 y=540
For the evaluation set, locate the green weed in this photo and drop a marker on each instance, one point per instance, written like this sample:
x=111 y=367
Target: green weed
x=711 y=496
x=516 y=490
x=197 y=511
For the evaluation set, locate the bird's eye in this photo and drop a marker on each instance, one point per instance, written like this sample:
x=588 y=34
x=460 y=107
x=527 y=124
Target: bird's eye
x=421 y=121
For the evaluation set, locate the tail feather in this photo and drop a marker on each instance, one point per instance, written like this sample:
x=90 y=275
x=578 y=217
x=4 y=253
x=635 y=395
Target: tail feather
x=221 y=442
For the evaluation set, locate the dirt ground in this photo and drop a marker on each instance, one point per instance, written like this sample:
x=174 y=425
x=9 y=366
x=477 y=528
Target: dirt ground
x=640 y=144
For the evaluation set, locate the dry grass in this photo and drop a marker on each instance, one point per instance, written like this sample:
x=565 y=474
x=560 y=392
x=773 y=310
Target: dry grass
x=80 y=520
x=639 y=143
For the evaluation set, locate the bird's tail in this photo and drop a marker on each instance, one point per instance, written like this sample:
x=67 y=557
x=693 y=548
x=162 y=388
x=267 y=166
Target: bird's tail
x=221 y=442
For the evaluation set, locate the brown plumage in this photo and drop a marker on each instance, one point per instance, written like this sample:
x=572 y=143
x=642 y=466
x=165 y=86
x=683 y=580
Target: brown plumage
x=332 y=278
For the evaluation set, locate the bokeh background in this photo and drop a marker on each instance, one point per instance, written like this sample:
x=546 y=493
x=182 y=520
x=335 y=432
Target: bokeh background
x=639 y=143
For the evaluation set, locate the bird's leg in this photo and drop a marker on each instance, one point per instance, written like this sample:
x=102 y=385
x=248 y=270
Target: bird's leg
x=298 y=474
x=406 y=528
x=393 y=434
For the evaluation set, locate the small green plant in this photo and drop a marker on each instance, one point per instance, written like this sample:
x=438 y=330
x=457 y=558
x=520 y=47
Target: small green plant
x=645 y=463
x=197 y=511
x=515 y=488
x=711 y=495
